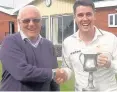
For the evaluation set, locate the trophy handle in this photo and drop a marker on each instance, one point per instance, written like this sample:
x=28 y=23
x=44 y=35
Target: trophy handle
x=80 y=57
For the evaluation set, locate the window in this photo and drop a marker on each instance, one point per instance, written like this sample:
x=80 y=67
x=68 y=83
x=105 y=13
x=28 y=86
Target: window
x=11 y=27
x=112 y=20
x=62 y=27
x=45 y=25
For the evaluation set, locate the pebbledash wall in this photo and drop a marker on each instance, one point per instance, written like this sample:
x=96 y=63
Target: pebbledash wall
x=56 y=18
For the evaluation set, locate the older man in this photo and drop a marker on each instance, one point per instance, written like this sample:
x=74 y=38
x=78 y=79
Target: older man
x=28 y=58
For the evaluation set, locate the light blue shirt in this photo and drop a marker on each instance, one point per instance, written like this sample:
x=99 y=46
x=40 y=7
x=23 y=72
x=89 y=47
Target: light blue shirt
x=35 y=43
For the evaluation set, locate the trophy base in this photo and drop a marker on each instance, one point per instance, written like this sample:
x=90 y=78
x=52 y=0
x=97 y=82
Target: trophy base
x=88 y=89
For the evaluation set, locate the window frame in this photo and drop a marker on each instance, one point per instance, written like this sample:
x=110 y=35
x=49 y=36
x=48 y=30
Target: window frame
x=113 y=20
x=55 y=41
x=47 y=26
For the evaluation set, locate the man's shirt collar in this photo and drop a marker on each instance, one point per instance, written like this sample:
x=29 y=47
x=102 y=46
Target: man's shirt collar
x=23 y=36
x=98 y=33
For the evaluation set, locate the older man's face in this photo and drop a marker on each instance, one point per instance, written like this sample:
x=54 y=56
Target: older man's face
x=30 y=23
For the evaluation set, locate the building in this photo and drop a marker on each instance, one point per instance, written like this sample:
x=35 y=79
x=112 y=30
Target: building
x=7 y=23
x=106 y=14
x=58 y=21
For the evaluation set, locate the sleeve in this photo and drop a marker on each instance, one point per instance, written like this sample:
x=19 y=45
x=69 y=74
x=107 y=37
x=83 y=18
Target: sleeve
x=66 y=64
x=54 y=86
x=14 y=61
x=114 y=55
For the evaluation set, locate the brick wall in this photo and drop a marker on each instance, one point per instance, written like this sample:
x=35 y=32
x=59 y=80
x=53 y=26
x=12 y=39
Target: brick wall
x=4 y=24
x=102 y=18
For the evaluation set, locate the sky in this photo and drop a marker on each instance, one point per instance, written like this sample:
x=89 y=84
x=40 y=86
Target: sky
x=13 y=3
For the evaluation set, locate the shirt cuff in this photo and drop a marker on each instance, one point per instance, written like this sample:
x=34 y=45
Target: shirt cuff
x=53 y=73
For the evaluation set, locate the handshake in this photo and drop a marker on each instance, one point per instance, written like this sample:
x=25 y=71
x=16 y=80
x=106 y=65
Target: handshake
x=60 y=75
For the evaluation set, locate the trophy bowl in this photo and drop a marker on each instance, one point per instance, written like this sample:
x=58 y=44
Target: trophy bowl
x=90 y=62
x=89 y=65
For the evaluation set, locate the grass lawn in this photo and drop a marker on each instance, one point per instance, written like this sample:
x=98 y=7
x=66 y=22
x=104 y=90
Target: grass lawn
x=67 y=86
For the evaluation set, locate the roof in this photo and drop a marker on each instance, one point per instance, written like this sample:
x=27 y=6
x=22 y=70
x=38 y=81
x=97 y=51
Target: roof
x=7 y=11
x=17 y=9
x=13 y=11
x=107 y=3
x=6 y=7
x=98 y=4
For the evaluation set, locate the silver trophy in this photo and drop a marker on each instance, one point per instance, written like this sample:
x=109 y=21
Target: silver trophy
x=89 y=65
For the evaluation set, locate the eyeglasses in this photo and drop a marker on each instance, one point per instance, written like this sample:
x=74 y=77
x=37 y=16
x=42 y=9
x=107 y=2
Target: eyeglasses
x=34 y=20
